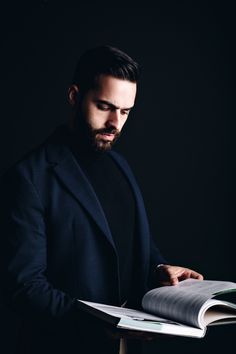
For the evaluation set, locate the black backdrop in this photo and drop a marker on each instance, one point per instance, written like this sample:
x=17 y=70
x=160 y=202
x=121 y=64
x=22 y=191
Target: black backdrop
x=179 y=139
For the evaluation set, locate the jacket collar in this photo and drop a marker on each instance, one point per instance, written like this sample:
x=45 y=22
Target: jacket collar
x=68 y=171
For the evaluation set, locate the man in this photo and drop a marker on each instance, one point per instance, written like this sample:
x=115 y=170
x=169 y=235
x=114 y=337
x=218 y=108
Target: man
x=73 y=220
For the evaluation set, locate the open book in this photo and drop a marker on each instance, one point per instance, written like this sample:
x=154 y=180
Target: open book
x=185 y=309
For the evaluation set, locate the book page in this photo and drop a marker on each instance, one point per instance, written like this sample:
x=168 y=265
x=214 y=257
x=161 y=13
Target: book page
x=123 y=312
x=161 y=328
x=138 y=320
x=209 y=288
x=183 y=302
x=217 y=311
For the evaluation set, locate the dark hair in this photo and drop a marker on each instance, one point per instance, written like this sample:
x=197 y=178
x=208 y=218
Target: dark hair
x=104 y=60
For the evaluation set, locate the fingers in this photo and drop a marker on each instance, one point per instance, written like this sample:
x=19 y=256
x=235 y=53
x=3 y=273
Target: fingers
x=171 y=275
x=196 y=275
x=175 y=274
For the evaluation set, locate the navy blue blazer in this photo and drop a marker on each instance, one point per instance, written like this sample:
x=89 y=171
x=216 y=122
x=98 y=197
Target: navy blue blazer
x=57 y=242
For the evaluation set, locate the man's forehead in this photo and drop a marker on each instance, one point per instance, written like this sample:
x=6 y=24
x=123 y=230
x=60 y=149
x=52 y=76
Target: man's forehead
x=120 y=93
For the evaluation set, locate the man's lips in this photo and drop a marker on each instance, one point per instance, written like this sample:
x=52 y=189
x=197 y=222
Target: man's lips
x=107 y=136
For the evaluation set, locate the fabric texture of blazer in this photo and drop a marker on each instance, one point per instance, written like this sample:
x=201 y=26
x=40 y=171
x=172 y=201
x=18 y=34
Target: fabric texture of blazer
x=57 y=247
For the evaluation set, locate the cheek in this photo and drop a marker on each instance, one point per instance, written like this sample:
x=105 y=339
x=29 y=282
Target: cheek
x=96 y=118
x=89 y=113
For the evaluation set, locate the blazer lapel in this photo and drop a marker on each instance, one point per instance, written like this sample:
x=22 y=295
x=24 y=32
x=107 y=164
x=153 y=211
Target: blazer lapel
x=142 y=221
x=71 y=175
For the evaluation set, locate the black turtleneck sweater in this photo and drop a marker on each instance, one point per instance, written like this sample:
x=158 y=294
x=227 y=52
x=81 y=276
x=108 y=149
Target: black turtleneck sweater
x=116 y=198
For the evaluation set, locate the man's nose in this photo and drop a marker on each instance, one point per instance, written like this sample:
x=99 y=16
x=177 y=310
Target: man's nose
x=114 y=119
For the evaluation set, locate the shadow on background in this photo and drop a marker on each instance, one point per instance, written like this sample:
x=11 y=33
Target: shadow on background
x=179 y=140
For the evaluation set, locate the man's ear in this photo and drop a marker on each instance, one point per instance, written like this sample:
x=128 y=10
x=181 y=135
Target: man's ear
x=73 y=94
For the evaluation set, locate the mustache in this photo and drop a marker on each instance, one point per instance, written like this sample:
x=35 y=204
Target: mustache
x=109 y=130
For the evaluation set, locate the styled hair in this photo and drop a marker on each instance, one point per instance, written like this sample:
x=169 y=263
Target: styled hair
x=104 y=60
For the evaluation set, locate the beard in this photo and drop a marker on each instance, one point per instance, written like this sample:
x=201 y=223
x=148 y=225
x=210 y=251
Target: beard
x=92 y=139
x=102 y=144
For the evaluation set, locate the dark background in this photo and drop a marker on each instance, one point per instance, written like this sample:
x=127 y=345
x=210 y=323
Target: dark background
x=179 y=139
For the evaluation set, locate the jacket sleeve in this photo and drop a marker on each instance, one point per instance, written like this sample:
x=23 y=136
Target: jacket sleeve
x=24 y=255
x=156 y=258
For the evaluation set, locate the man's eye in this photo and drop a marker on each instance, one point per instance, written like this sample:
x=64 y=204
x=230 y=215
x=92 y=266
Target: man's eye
x=103 y=107
x=125 y=113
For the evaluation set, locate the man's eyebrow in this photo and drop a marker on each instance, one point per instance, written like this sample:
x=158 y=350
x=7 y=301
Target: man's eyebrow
x=112 y=105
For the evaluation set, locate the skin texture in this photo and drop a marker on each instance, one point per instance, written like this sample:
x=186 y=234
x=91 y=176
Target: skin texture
x=172 y=275
x=105 y=110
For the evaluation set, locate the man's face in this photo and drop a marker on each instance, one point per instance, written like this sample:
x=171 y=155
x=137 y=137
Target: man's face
x=105 y=109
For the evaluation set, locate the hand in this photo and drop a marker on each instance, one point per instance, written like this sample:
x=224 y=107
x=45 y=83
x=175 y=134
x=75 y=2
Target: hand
x=172 y=275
